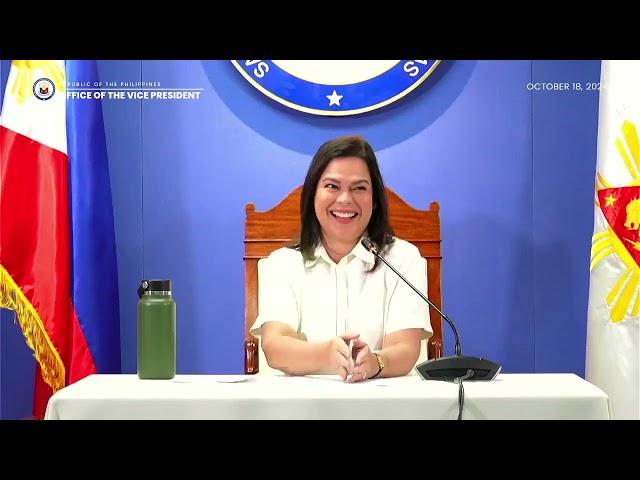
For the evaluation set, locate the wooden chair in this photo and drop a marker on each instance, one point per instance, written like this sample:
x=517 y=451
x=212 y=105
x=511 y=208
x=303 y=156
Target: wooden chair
x=272 y=229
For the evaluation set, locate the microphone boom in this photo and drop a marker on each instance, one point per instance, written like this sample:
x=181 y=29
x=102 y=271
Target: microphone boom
x=445 y=368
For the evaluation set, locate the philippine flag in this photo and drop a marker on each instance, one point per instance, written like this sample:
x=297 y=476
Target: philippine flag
x=57 y=245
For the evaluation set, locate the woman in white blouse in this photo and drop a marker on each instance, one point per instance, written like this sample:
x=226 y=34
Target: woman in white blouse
x=326 y=304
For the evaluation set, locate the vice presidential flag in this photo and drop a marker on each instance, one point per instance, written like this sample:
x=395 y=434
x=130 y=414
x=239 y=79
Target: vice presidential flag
x=613 y=335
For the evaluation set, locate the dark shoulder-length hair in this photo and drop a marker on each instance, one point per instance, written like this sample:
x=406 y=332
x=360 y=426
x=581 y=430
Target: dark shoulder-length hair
x=378 y=230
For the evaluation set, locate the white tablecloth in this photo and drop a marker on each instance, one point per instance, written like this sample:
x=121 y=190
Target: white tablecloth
x=508 y=396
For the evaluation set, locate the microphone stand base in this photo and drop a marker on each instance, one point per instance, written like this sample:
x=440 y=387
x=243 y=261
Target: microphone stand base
x=452 y=368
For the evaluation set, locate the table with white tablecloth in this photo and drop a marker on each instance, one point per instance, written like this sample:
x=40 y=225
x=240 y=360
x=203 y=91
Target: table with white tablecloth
x=508 y=396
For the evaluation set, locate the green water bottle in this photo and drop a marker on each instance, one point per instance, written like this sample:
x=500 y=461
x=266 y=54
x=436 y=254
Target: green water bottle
x=156 y=330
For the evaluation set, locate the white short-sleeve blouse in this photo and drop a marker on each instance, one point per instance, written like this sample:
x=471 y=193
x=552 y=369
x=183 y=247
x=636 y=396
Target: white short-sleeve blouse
x=321 y=299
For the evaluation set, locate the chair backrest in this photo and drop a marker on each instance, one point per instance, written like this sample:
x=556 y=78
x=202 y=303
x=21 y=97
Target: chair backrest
x=267 y=231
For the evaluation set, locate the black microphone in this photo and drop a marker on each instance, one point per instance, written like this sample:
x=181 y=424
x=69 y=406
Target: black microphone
x=445 y=368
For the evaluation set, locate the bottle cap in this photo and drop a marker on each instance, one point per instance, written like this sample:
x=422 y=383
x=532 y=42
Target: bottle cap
x=154 y=286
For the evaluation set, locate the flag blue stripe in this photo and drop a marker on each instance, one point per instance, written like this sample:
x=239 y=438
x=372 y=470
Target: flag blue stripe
x=95 y=276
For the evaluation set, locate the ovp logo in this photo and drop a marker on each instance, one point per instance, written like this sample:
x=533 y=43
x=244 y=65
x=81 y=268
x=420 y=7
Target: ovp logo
x=43 y=89
x=335 y=87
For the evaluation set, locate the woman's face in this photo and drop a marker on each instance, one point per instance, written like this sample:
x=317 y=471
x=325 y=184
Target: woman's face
x=344 y=200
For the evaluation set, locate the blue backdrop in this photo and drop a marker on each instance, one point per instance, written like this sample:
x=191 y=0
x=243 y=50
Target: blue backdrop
x=512 y=168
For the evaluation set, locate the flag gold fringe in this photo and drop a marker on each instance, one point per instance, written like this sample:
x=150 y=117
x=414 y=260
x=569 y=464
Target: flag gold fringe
x=12 y=297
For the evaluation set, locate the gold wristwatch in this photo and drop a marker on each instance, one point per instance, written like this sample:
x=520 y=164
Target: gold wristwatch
x=380 y=364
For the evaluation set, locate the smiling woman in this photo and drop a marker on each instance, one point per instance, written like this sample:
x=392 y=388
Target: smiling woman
x=343 y=204
x=324 y=305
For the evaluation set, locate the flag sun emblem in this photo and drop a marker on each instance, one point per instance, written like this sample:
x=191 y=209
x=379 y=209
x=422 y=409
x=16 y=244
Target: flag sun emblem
x=621 y=209
x=26 y=69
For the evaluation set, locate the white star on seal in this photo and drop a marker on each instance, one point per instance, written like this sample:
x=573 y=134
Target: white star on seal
x=334 y=98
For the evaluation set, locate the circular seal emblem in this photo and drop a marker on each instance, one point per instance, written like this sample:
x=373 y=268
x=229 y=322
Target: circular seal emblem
x=335 y=87
x=43 y=89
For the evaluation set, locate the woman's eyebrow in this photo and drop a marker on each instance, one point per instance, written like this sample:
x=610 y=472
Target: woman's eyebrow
x=330 y=179
x=335 y=180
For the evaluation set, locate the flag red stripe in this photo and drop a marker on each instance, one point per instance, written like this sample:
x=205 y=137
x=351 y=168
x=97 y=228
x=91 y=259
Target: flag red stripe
x=81 y=365
x=35 y=241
